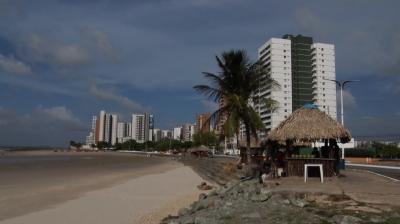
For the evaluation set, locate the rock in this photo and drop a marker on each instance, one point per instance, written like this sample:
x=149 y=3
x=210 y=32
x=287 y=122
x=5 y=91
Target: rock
x=202 y=196
x=377 y=219
x=264 y=195
x=203 y=204
x=183 y=211
x=363 y=209
x=286 y=202
x=228 y=203
x=204 y=220
x=298 y=202
x=253 y=215
x=345 y=219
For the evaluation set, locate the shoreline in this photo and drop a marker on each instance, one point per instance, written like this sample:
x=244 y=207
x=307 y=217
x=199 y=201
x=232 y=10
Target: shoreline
x=145 y=199
x=48 y=179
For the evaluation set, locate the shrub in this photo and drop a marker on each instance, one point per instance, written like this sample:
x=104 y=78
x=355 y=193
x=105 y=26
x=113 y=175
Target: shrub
x=360 y=152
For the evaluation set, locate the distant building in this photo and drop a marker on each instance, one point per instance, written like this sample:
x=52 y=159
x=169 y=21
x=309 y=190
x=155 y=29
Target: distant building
x=105 y=127
x=141 y=126
x=188 y=130
x=91 y=138
x=157 y=134
x=124 y=131
x=166 y=134
x=203 y=123
x=177 y=135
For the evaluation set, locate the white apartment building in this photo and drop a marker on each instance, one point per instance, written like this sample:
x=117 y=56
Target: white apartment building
x=102 y=118
x=166 y=134
x=275 y=56
x=188 y=130
x=140 y=127
x=157 y=135
x=177 y=133
x=323 y=69
x=123 y=132
x=300 y=67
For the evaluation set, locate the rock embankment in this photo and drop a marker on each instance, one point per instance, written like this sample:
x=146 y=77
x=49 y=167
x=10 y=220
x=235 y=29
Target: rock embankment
x=249 y=202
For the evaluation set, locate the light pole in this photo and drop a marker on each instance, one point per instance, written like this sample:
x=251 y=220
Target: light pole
x=341 y=85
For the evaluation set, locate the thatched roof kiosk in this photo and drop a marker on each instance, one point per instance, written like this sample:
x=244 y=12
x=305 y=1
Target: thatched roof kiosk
x=200 y=151
x=309 y=124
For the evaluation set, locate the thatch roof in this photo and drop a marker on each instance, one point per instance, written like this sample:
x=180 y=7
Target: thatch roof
x=254 y=143
x=200 y=148
x=308 y=125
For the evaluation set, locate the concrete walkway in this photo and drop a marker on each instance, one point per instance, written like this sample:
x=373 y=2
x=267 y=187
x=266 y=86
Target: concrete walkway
x=359 y=185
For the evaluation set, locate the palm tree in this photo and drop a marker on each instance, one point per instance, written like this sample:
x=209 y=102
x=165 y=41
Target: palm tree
x=237 y=84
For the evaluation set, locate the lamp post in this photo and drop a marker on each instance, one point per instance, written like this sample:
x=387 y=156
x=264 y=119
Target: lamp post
x=341 y=85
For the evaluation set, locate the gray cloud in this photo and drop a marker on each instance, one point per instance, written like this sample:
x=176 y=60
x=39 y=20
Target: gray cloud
x=209 y=106
x=13 y=66
x=110 y=95
x=42 y=126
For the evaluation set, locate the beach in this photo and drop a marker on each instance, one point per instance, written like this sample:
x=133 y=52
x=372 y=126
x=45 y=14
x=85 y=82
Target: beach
x=70 y=187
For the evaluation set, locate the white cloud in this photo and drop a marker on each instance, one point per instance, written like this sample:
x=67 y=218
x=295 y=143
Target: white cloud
x=110 y=95
x=45 y=50
x=13 y=66
x=58 y=113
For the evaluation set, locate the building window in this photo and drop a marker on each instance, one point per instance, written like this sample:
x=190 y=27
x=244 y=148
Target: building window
x=285 y=110
x=323 y=71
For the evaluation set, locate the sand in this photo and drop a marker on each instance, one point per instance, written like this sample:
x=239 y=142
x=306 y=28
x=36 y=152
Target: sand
x=128 y=194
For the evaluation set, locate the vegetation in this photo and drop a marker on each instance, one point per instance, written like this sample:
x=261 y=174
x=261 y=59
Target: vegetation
x=77 y=145
x=237 y=83
x=209 y=139
x=163 y=145
x=375 y=150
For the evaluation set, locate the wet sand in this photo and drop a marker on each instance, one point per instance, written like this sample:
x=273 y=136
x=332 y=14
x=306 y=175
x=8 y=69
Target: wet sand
x=60 y=187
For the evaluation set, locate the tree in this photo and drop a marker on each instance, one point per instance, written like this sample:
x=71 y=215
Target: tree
x=207 y=138
x=237 y=84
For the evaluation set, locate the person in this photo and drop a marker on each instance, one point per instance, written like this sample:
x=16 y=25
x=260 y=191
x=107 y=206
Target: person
x=336 y=155
x=265 y=169
x=325 y=150
x=280 y=164
x=315 y=152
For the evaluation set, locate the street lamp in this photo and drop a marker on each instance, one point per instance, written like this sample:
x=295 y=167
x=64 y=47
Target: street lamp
x=341 y=84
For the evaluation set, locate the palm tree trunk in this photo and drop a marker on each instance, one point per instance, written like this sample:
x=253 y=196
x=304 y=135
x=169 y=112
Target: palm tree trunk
x=248 y=146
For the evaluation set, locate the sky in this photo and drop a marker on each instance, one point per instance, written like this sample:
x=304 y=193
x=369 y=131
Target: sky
x=62 y=61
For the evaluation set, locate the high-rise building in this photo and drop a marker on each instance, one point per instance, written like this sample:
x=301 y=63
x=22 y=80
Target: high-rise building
x=91 y=139
x=177 y=133
x=140 y=127
x=166 y=134
x=102 y=118
x=105 y=127
x=123 y=132
x=299 y=67
x=324 y=92
x=157 y=135
x=188 y=130
x=203 y=123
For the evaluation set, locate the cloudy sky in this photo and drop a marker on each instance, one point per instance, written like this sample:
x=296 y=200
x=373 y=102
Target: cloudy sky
x=63 y=61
